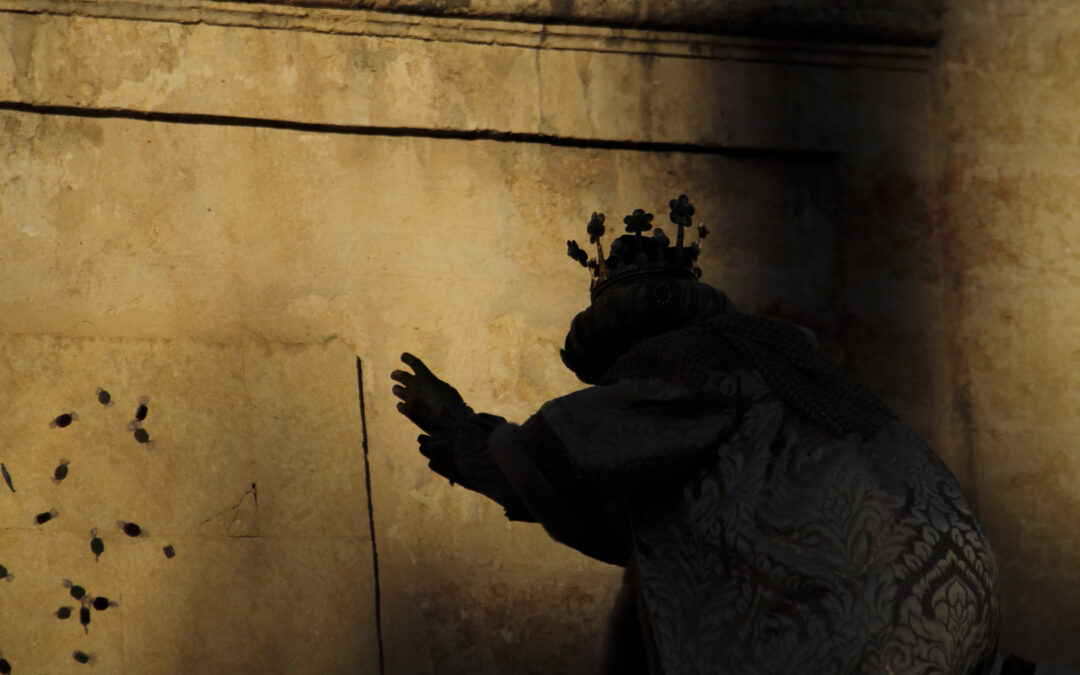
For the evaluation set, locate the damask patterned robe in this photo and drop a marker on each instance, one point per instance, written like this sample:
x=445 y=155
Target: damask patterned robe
x=771 y=515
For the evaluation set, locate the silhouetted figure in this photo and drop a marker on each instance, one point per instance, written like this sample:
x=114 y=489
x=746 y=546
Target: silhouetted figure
x=772 y=515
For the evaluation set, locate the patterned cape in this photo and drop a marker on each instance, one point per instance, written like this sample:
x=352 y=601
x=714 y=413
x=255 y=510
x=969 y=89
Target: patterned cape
x=772 y=515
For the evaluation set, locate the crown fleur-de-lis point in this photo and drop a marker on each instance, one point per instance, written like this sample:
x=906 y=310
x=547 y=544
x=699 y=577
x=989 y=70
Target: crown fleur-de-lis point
x=596 y=227
x=576 y=252
x=681 y=211
x=638 y=221
x=596 y=230
x=637 y=255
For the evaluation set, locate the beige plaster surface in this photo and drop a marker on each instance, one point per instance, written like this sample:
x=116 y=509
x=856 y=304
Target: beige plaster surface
x=272 y=258
x=234 y=272
x=1005 y=108
x=326 y=69
x=255 y=477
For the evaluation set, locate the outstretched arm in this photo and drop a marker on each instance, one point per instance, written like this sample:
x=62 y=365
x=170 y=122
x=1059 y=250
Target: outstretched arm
x=581 y=454
x=454 y=442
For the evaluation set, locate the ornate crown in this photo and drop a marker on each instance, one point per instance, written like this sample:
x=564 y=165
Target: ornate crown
x=634 y=255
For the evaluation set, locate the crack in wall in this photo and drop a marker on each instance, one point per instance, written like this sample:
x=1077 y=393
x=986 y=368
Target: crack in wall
x=235 y=509
x=421 y=132
x=371 y=515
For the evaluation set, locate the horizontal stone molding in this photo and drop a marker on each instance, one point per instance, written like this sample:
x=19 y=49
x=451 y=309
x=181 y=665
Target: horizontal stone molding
x=370 y=71
x=866 y=21
x=698 y=43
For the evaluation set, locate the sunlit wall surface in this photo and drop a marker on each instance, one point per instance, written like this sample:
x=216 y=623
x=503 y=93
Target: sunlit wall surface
x=1006 y=97
x=221 y=207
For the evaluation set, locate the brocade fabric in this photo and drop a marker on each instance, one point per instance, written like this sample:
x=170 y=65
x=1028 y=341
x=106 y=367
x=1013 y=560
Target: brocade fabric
x=773 y=516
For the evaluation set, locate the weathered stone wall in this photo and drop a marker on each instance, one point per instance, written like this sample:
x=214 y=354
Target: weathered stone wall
x=1006 y=96
x=860 y=21
x=222 y=205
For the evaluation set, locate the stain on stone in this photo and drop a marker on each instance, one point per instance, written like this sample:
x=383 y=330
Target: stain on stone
x=104 y=397
x=93 y=132
x=64 y=613
x=169 y=551
x=82 y=657
x=562 y=9
x=459 y=621
x=21 y=47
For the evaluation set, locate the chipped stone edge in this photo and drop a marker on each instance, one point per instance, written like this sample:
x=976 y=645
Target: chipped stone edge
x=520 y=34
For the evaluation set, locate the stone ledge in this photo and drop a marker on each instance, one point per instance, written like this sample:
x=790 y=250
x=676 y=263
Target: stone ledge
x=366 y=70
x=811 y=50
x=906 y=22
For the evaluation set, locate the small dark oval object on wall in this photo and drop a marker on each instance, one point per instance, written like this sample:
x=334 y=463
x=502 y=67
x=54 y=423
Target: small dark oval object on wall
x=63 y=420
x=61 y=471
x=140 y=412
x=46 y=516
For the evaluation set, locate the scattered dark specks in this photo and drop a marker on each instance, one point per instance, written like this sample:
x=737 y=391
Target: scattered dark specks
x=101 y=603
x=5 y=667
x=104 y=397
x=4 y=574
x=97 y=545
x=82 y=657
x=84 y=618
x=143 y=409
x=64 y=420
x=60 y=472
x=7 y=477
x=77 y=592
x=130 y=529
x=170 y=552
x=64 y=613
x=45 y=516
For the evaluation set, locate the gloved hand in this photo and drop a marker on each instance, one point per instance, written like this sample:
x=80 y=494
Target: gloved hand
x=439 y=451
x=430 y=403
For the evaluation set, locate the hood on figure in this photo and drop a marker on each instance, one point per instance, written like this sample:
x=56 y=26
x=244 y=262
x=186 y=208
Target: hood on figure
x=625 y=315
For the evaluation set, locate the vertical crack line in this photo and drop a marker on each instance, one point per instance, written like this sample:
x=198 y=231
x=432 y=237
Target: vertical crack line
x=371 y=513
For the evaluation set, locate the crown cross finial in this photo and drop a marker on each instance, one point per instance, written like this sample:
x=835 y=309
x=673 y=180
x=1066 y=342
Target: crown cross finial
x=635 y=255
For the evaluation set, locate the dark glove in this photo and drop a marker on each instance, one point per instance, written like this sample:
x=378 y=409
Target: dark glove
x=430 y=403
x=440 y=454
